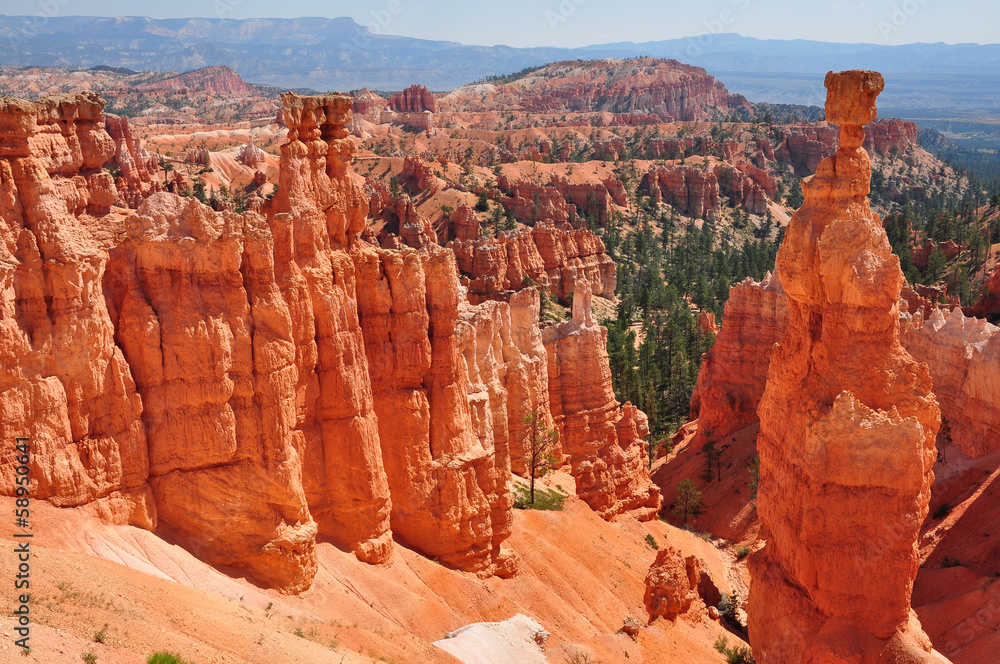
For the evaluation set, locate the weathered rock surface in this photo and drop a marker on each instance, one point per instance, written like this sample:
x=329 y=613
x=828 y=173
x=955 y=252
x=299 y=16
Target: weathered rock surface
x=531 y=202
x=673 y=584
x=63 y=381
x=692 y=191
x=414 y=99
x=964 y=358
x=250 y=155
x=138 y=167
x=888 y=135
x=734 y=371
x=464 y=224
x=256 y=380
x=207 y=334
x=442 y=410
x=418 y=178
x=848 y=423
x=606 y=443
x=804 y=145
x=316 y=211
x=551 y=257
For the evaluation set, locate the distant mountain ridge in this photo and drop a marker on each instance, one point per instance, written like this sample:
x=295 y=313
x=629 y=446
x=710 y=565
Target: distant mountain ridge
x=339 y=54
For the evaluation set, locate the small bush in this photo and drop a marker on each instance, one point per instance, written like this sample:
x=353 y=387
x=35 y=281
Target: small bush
x=165 y=658
x=742 y=552
x=89 y=657
x=727 y=609
x=100 y=636
x=736 y=654
x=545 y=499
x=942 y=511
x=580 y=658
x=650 y=540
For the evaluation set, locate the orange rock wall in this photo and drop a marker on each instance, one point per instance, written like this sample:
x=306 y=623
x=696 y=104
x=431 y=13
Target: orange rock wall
x=551 y=257
x=63 y=381
x=734 y=371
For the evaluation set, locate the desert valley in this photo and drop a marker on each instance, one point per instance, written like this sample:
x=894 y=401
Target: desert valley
x=592 y=362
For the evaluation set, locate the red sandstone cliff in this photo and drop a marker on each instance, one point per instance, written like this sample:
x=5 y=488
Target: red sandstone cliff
x=138 y=168
x=691 y=190
x=255 y=380
x=733 y=372
x=553 y=258
x=218 y=80
x=848 y=423
x=963 y=355
x=63 y=381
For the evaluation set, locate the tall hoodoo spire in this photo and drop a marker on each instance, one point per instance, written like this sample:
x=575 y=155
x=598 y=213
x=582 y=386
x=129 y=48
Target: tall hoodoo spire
x=848 y=423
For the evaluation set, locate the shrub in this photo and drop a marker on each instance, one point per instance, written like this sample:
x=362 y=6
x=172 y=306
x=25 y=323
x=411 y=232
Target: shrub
x=650 y=540
x=89 y=657
x=580 y=658
x=100 y=636
x=742 y=552
x=736 y=654
x=165 y=658
x=942 y=511
x=727 y=609
x=545 y=499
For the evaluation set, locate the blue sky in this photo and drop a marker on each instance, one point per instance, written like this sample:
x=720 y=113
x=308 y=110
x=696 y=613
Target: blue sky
x=582 y=22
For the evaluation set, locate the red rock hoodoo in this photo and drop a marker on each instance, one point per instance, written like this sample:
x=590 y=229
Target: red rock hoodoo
x=138 y=168
x=414 y=99
x=848 y=423
x=673 y=584
x=606 y=442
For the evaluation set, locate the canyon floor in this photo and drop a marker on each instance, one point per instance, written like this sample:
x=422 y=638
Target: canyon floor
x=580 y=577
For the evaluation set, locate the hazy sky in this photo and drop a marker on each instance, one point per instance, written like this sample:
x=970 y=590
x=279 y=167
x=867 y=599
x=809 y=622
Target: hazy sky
x=582 y=22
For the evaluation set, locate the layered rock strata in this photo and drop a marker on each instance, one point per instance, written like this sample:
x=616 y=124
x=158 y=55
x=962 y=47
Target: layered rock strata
x=553 y=258
x=692 y=191
x=138 y=168
x=441 y=401
x=63 y=381
x=848 y=424
x=964 y=359
x=734 y=371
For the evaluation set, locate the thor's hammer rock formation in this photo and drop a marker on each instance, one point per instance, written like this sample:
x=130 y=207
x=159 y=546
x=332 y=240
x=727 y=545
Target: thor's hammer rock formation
x=848 y=423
